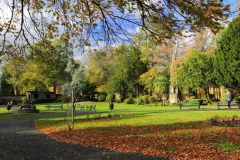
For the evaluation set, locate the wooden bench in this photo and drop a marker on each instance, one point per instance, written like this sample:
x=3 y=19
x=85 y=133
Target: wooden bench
x=92 y=106
x=81 y=106
x=187 y=104
x=225 y=103
x=55 y=106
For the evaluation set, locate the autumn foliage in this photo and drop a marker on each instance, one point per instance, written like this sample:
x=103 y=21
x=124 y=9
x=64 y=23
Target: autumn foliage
x=191 y=140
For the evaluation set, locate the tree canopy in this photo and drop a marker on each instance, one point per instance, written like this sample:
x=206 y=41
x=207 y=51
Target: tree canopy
x=85 y=22
x=227 y=56
x=196 y=73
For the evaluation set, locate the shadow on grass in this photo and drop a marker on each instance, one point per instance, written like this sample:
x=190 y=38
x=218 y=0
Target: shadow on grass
x=31 y=115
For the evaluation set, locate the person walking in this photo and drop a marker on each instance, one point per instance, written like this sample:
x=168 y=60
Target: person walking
x=229 y=99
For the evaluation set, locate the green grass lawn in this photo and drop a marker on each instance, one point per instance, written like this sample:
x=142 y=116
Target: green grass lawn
x=32 y=115
x=103 y=107
x=2 y=110
x=158 y=133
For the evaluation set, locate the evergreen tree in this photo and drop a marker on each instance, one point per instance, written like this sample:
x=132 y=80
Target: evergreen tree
x=227 y=56
x=196 y=73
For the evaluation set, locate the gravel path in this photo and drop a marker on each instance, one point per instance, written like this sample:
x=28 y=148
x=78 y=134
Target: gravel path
x=20 y=140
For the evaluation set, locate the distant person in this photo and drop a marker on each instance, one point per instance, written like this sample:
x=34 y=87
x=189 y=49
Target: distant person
x=8 y=106
x=229 y=99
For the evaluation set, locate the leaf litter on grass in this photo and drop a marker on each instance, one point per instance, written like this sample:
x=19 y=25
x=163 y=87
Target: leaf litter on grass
x=160 y=140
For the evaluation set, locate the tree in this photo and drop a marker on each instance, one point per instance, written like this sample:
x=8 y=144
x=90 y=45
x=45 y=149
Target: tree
x=14 y=68
x=227 y=56
x=202 y=42
x=31 y=21
x=101 y=64
x=76 y=83
x=6 y=89
x=52 y=60
x=127 y=69
x=237 y=6
x=196 y=73
x=31 y=79
x=161 y=84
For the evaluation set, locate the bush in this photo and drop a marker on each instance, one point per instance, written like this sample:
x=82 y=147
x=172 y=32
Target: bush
x=160 y=104
x=145 y=98
x=235 y=99
x=101 y=98
x=192 y=97
x=24 y=99
x=128 y=101
x=196 y=100
x=154 y=104
x=58 y=100
x=66 y=99
x=137 y=100
x=177 y=104
x=47 y=100
x=185 y=101
x=120 y=99
x=151 y=99
x=168 y=101
x=223 y=97
x=110 y=98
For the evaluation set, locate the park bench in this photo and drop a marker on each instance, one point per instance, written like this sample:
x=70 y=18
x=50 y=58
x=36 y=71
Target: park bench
x=92 y=106
x=55 y=106
x=188 y=104
x=225 y=103
x=81 y=106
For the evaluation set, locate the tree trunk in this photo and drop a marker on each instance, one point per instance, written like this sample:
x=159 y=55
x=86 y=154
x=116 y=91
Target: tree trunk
x=54 y=88
x=72 y=110
x=163 y=101
x=206 y=91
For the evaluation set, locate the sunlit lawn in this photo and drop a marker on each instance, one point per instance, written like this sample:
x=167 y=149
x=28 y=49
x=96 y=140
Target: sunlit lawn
x=32 y=115
x=2 y=110
x=103 y=107
x=164 y=134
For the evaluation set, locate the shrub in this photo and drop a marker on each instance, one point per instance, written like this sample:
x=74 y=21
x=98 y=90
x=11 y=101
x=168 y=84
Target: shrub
x=145 y=98
x=101 y=98
x=196 y=100
x=47 y=100
x=137 y=100
x=110 y=98
x=24 y=99
x=154 y=104
x=128 y=101
x=168 y=101
x=185 y=101
x=235 y=99
x=151 y=99
x=160 y=104
x=58 y=100
x=120 y=99
x=66 y=99
x=223 y=97
x=192 y=97
x=177 y=104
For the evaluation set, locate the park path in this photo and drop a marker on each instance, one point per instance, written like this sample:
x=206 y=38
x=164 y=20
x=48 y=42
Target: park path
x=20 y=140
